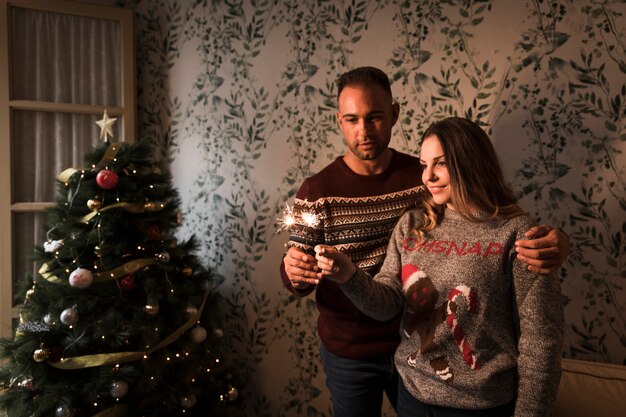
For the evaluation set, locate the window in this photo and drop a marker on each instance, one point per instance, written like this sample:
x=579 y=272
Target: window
x=61 y=65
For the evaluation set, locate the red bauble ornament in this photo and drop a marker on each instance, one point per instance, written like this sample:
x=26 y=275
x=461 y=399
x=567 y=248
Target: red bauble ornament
x=154 y=232
x=106 y=179
x=128 y=282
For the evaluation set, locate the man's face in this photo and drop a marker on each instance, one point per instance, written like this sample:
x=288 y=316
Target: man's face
x=366 y=116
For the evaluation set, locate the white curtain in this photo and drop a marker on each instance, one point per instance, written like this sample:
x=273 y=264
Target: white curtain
x=57 y=58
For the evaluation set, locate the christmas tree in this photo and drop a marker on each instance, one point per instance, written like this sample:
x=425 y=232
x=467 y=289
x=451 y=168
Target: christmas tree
x=121 y=319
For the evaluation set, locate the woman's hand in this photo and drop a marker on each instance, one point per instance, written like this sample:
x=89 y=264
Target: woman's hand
x=333 y=264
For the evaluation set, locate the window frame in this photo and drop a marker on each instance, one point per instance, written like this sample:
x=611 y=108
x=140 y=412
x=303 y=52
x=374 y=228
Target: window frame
x=127 y=110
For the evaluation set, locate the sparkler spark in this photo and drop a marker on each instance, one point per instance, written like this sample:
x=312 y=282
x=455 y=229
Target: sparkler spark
x=310 y=219
x=288 y=219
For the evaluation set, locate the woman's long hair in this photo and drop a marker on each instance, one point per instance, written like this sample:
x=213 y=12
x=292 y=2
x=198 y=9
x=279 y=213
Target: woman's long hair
x=476 y=178
x=429 y=212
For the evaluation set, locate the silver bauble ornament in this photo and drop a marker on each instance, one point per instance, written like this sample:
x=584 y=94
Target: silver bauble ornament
x=64 y=411
x=188 y=401
x=69 y=316
x=119 y=389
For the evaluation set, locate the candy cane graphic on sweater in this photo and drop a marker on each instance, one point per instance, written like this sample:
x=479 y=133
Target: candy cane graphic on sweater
x=457 y=331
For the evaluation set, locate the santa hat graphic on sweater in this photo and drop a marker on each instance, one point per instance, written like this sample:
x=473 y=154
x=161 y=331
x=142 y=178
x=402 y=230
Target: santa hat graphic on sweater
x=410 y=275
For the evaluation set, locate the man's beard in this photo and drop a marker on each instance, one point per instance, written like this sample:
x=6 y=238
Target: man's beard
x=368 y=155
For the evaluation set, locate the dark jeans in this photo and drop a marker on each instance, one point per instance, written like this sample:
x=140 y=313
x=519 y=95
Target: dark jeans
x=356 y=386
x=409 y=406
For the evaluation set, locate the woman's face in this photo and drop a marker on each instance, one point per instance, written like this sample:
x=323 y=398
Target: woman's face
x=435 y=171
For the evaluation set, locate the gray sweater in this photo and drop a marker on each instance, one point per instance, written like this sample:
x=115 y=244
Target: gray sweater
x=478 y=329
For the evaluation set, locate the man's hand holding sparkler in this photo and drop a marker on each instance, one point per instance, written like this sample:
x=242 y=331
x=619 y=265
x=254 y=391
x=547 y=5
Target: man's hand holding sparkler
x=301 y=268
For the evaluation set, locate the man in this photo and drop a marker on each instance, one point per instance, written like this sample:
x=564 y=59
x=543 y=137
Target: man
x=353 y=205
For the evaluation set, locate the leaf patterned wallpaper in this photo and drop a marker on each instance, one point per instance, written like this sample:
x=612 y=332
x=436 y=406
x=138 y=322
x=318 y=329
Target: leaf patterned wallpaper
x=240 y=96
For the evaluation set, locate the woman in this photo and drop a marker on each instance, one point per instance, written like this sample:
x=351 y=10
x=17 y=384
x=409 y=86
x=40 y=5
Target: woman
x=481 y=335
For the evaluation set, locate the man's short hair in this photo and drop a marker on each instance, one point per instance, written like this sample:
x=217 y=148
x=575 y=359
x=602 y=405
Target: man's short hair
x=363 y=77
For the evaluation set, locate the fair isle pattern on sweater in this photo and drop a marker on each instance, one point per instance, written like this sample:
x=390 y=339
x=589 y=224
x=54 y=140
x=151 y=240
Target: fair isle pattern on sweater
x=357 y=226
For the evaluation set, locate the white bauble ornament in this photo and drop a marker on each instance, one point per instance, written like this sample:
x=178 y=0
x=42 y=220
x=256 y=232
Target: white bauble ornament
x=69 y=316
x=198 y=334
x=119 y=389
x=81 y=278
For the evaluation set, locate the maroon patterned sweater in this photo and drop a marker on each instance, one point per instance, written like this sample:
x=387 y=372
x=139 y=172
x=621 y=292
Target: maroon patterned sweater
x=356 y=214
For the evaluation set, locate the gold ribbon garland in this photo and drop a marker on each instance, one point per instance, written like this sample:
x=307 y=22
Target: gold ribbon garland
x=49 y=276
x=90 y=361
x=109 y=155
x=129 y=207
x=115 y=411
x=120 y=271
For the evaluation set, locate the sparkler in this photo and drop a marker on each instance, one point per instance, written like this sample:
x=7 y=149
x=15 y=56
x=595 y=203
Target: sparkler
x=310 y=219
x=288 y=219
